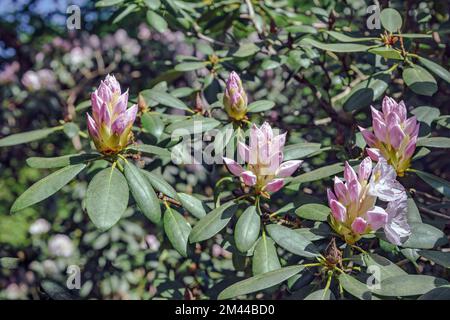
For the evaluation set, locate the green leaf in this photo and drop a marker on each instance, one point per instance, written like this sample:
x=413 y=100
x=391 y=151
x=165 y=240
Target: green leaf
x=441 y=293
x=107 y=198
x=189 y=66
x=26 y=137
x=366 y=92
x=156 y=21
x=301 y=29
x=56 y=291
x=71 y=129
x=441 y=185
x=259 y=282
x=213 y=222
x=108 y=3
x=316 y=174
x=260 y=106
x=420 y=80
x=292 y=241
x=46 y=187
x=434 y=142
x=246 y=230
x=313 y=211
x=426 y=114
x=436 y=69
x=424 y=236
x=320 y=295
x=9 y=262
x=387 y=53
x=265 y=257
x=63 y=161
x=391 y=20
x=355 y=287
x=152 y=124
x=269 y=64
x=130 y=8
x=150 y=150
x=160 y=184
x=192 y=126
x=245 y=50
x=334 y=47
x=387 y=268
x=408 y=285
x=300 y=150
x=142 y=192
x=441 y=258
x=164 y=99
x=177 y=230
x=413 y=214
x=345 y=38
x=192 y=205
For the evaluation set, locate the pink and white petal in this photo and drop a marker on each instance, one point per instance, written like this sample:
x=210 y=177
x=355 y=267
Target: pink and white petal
x=330 y=195
x=248 y=178
x=359 y=225
x=121 y=104
x=354 y=188
x=340 y=189
x=377 y=218
x=338 y=211
x=396 y=136
x=410 y=125
x=92 y=127
x=349 y=173
x=365 y=168
x=368 y=136
x=243 y=151
x=397 y=229
x=380 y=130
x=288 y=168
x=234 y=167
x=130 y=114
x=388 y=105
x=401 y=110
x=274 y=185
x=373 y=153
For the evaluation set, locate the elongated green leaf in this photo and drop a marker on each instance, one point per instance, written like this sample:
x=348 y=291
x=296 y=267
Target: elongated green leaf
x=441 y=185
x=292 y=241
x=164 y=99
x=366 y=92
x=177 y=230
x=300 y=150
x=387 y=53
x=391 y=20
x=152 y=124
x=156 y=21
x=246 y=49
x=386 y=267
x=408 y=285
x=192 y=205
x=435 y=68
x=424 y=236
x=335 y=47
x=26 y=137
x=434 y=142
x=125 y=12
x=313 y=211
x=150 y=150
x=259 y=282
x=108 y=3
x=355 y=287
x=247 y=229
x=63 y=161
x=160 y=184
x=189 y=66
x=192 y=126
x=413 y=214
x=420 y=80
x=107 y=198
x=345 y=38
x=142 y=192
x=316 y=174
x=213 y=222
x=260 y=105
x=46 y=187
x=426 y=114
x=265 y=257
x=441 y=293
x=442 y=258
x=320 y=295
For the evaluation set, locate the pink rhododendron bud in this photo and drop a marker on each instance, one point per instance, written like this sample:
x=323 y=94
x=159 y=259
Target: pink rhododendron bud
x=111 y=120
x=235 y=98
x=394 y=135
x=265 y=170
x=353 y=203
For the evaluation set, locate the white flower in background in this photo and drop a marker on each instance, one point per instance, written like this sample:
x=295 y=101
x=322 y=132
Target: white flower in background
x=60 y=245
x=152 y=242
x=37 y=80
x=40 y=226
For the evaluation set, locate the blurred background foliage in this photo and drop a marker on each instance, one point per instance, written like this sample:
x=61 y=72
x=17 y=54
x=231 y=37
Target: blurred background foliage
x=47 y=73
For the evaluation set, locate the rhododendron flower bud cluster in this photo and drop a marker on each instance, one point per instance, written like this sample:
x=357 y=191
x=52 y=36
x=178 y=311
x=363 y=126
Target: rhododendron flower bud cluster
x=265 y=170
x=111 y=121
x=394 y=135
x=353 y=203
x=235 y=98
